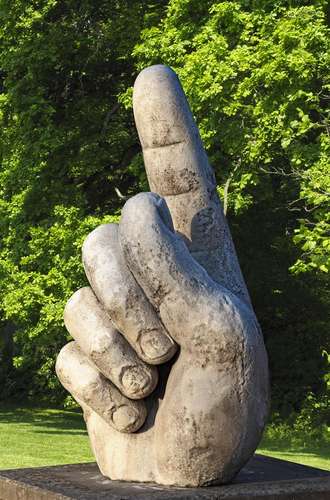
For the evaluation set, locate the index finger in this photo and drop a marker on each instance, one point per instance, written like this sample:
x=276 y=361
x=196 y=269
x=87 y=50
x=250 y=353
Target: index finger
x=178 y=169
x=176 y=163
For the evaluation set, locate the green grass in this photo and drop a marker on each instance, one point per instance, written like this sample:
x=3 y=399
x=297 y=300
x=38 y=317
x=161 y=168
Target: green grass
x=291 y=448
x=32 y=437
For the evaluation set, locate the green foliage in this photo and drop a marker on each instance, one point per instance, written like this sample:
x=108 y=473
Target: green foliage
x=311 y=426
x=38 y=284
x=313 y=234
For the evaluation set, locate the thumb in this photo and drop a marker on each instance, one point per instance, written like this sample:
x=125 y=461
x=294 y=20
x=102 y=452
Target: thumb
x=178 y=287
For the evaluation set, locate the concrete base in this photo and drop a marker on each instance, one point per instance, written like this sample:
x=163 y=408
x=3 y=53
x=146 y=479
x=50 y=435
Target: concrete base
x=262 y=478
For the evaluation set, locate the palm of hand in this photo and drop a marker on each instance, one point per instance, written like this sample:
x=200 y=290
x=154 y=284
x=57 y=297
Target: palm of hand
x=205 y=420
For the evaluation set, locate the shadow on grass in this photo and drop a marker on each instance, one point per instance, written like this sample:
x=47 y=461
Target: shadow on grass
x=50 y=421
x=291 y=449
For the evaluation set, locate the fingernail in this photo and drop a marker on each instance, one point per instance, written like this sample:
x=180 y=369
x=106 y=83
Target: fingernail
x=125 y=418
x=156 y=346
x=138 y=382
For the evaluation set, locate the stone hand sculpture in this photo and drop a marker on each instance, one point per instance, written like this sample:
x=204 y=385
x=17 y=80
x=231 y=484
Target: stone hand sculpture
x=166 y=289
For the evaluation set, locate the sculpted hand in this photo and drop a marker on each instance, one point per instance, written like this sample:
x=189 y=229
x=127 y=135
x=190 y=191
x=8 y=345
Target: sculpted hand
x=169 y=281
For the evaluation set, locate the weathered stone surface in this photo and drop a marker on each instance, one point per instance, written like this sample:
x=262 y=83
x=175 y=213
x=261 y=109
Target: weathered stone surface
x=124 y=300
x=262 y=478
x=167 y=277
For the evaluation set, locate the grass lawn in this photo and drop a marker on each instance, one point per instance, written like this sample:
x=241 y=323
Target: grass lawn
x=314 y=456
x=31 y=437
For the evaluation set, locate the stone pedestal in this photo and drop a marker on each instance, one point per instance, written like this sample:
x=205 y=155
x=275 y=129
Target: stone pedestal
x=262 y=478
